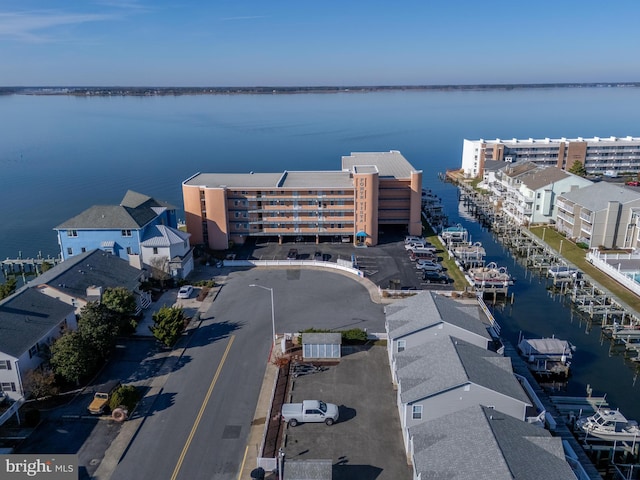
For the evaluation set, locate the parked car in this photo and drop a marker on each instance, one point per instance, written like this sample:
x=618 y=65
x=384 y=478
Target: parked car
x=100 y=402
x=309 y=411
x=414 y=256
x=411 y=239
x=431 y=276
x=414 y=245
x=185 y=291
x=428 y=265
x=293 y=254
x=317 y=255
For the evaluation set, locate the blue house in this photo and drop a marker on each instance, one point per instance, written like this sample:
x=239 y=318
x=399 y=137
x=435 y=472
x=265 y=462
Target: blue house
x=141 y=230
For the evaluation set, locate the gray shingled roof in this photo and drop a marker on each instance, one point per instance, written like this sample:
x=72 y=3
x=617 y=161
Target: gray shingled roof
x=427 y=308
x=389 y=164
x=163 y=236
x=543 y=176
x=308 y=469
x=515 y=169
x=135 y=211
x=26 y=317
x=96 y=267
x=495 y=446
x=448 y=362
x=597 y=196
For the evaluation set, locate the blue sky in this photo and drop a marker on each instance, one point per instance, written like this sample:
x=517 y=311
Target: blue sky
x=290 y=43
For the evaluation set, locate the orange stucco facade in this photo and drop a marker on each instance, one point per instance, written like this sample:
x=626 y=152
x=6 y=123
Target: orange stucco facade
x=230 y=208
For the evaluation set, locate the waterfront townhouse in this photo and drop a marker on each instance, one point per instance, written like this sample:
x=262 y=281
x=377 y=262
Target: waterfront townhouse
x=427 y=316
x=527 y=193
x=29 y=323
x=140 y=229
x=83 y=278
x=371 y=191
x=605 y=156
x=446 y=375
x=601 y=214
x=481 y=442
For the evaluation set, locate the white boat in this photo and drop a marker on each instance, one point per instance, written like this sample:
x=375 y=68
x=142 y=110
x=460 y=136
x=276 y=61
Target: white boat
x=490 y=275
x=610 y=425
x=547 y=357
x=561 y=271
x=455 y=234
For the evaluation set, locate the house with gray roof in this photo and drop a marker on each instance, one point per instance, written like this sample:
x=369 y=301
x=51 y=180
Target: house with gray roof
x=426 y=316
x=496 y=447
x=449 y=374
x=601 y=214
x=83 y=278
x=141 y=230
x=29 y=323
x=528 y=192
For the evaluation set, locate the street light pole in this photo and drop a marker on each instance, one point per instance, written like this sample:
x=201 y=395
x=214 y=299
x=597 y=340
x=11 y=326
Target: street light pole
x=273 y=315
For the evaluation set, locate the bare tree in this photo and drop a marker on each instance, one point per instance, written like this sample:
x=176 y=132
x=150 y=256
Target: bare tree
x=160 y=269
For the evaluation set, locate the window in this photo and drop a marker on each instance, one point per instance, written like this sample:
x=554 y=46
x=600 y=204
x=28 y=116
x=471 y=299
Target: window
x=83 y=249
x=129 y=251
x=126 y=233
x=72 y=233
x=537 y=208
x=155 y=250
x=5 y=364
x=402 y=344
x=8 y=387
x=33 y=350
x=69 y=251
x=416 y=412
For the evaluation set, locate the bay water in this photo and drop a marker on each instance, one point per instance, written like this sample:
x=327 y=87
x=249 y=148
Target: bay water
x=62 y=154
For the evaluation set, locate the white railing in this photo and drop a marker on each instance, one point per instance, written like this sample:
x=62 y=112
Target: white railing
x=492 y=321
x=600 y=262
x=15 y=406
x=293 y=263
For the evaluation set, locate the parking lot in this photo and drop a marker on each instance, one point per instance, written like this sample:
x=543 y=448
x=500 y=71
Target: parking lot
x=386 y=265
x=366 y=442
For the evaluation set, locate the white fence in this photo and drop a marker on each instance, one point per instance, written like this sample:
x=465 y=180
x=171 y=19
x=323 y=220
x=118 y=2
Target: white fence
x=292 y=263
x=599 y=261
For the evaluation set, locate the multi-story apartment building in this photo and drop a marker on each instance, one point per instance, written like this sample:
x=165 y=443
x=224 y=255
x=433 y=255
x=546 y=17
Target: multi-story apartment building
x=601 y=215
x=371 y=190
x=527 y=192
x=606 y=156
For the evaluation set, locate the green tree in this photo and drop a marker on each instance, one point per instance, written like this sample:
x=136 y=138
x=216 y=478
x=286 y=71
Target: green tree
x=578 y=169
x=97 y=327
x=122 y=303
x=71 y=359
x=8 y=287
x=168 y=324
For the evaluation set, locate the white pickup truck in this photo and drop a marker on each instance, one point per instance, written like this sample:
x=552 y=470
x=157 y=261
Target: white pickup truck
x=309 y=411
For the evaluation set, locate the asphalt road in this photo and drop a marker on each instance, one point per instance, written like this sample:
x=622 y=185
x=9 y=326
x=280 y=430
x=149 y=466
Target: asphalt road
x=199 y=425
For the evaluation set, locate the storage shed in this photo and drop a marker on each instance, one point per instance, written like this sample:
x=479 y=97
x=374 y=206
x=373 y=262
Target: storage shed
x=321 y=345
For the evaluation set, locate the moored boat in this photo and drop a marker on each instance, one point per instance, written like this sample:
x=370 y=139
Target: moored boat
x=490 y=274
x=547 y=357
x=610 y=425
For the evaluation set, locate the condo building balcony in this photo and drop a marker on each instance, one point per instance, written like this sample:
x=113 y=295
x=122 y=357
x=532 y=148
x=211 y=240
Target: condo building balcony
x=586 y=215
x=568 y=219
x=563 y=205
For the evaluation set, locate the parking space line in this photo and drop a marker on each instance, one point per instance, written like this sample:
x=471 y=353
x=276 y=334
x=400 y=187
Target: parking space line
x=201 y=412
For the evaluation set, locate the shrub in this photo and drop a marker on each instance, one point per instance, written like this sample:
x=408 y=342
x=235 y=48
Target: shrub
x=127 y=396
x=583 y=245
x=354 y=335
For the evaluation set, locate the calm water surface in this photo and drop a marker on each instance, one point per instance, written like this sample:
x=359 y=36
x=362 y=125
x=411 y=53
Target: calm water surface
x=60 y=155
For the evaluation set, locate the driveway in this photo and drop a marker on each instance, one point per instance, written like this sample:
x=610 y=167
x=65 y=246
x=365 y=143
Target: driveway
x=366 y=442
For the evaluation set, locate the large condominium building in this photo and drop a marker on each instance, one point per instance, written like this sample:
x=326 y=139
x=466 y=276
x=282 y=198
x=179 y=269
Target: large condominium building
x=606 y=156
x=371 y=190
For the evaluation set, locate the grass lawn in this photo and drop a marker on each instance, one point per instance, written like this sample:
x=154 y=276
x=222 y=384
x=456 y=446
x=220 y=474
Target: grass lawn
x=459 y=282
x=577 y=256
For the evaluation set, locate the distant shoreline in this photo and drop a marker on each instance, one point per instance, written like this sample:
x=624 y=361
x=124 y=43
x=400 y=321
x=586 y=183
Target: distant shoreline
x=274 y=90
